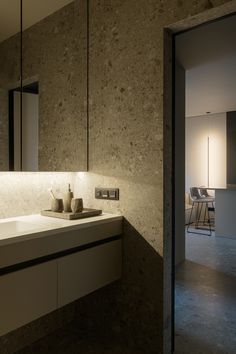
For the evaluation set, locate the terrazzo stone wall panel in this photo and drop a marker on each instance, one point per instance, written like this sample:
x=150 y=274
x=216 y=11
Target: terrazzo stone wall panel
x=28 y=193
x=54 y=52
x=55 y=55
x=126 y=147
x=4 y=143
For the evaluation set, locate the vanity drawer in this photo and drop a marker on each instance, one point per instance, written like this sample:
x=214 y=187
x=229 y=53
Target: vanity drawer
x=84 y=272
x=26 y=295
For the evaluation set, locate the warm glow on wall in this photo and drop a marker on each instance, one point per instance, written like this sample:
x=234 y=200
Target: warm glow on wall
x=206 y=151
x=217 y=160
x=23 y=193
x=201 y=159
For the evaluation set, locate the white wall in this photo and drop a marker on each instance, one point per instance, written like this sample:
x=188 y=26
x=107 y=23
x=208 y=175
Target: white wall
x=208 y=54
x=30 y=119
x=29 y=141
x=198 y=129
x=211 y=87
x=225 y=221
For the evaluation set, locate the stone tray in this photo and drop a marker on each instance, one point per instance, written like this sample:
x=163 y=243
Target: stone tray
x=72 y=216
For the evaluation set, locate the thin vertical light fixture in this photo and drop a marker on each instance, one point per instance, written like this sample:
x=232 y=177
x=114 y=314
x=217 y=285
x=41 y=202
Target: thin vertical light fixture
x=208 y=161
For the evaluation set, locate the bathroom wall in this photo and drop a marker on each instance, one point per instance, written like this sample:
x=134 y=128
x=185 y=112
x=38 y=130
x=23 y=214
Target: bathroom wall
x=28 y=193
x=55 y=51
x=4 y=156
x=55 y=55
x=126 y=151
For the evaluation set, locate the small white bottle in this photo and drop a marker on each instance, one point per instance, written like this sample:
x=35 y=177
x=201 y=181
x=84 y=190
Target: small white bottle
x=67 y=200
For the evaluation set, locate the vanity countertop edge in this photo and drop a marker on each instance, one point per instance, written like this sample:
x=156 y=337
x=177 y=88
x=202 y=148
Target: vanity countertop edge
x=53 y=238
x=45 y=226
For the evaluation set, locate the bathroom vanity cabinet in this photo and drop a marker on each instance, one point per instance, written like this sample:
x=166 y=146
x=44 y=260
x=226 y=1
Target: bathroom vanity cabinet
x=49 y=274
x=83 y=272
x=27 y=294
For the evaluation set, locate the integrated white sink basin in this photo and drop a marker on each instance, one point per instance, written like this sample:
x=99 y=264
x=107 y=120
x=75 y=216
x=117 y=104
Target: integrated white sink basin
x=33 y=227
x=14 y=227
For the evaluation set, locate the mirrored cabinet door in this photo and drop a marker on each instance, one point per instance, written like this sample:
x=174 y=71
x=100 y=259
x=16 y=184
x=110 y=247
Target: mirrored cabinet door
x=54 y=97
x=10 y=74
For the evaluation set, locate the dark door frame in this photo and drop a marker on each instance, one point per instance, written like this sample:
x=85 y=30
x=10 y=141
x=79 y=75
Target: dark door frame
x=170 y=33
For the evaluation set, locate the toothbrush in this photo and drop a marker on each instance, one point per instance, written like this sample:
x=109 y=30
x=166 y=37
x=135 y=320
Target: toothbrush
x=52 y=195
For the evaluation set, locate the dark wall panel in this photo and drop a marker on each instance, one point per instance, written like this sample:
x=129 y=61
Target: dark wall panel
x=231 y=148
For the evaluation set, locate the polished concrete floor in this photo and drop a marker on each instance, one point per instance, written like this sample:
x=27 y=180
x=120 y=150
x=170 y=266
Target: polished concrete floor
x=206 y=297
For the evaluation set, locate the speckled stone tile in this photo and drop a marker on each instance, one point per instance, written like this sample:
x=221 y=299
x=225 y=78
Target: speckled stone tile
x=28 y=193
x=4 y=142
x=55 y=55
x=126 y=135
x=205 y=297
x=55 y=51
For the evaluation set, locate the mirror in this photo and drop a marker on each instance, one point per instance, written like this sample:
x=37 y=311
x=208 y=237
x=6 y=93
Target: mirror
x=10 y=73
x=47 y=113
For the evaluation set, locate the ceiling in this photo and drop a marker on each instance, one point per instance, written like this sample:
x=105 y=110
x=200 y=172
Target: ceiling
x=33 y=10
x=208 y=54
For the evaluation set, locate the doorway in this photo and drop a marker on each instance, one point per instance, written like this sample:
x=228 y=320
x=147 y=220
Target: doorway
x=205 y=287
x=200 y=342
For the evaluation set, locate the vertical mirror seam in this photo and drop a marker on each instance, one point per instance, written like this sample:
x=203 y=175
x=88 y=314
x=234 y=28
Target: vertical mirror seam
x=88 y=117
x=21 y=81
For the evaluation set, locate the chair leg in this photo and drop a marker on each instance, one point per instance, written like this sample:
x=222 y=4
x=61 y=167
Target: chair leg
x=209 y=219
x=190 y=217
x=198 y=216
x=213 y=209
x=204 y=223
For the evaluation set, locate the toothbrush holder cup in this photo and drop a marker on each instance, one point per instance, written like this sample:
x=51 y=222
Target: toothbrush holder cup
x=77 y=205
x=57 y=205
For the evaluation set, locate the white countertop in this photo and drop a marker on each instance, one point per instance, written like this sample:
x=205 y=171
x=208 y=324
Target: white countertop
x=22 y=228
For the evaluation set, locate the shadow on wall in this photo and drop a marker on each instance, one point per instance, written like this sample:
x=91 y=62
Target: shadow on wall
x=129 y=312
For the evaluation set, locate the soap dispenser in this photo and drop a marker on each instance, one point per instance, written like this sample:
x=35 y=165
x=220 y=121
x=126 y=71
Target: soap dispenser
x=67 y=200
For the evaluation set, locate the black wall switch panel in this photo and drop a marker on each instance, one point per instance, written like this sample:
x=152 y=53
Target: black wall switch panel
x=107 y=193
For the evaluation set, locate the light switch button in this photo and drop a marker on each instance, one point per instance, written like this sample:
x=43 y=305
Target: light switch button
x=98 y=193
x=105 y=194
x=112 y=194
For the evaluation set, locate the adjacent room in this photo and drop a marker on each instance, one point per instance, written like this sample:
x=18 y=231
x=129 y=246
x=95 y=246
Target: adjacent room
x=205 y=75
